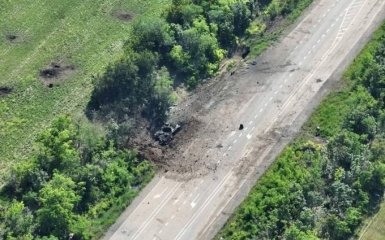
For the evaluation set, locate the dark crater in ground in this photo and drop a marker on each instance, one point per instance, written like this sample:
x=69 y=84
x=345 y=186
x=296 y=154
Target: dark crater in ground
x=55 y=72
x=124 y=15
x=5 y=90
x=11 y=37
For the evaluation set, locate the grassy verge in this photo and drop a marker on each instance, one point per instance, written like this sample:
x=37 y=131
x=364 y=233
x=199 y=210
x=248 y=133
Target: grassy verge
x=100 y=225
x=259 y=42
x=86 y=34
x=332 y=177
x=375 y=230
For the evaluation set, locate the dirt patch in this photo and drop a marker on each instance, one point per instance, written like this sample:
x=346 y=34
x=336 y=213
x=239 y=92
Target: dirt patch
x=56 y=72
x=5 y=91
x=14 y=36
x=11 y=37
x=172 y=158
x=123 y=15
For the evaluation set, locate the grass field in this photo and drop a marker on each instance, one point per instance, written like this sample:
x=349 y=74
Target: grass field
x=86 y=35
x=375 y=230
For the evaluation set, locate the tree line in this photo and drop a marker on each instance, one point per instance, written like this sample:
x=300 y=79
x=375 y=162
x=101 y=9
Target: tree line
x=74 y=185
x=184 y=45
x=325 y=185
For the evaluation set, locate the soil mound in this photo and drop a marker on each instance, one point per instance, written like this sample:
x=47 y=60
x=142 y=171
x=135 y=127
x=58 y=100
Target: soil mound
x=5 y=91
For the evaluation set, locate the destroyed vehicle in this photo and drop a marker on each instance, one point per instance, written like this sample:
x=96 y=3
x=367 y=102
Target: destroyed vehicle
x=166 y=133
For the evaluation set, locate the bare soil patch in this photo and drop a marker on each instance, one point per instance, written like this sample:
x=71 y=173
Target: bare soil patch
x=205 y=116
x=11 y=37
x=123 y=15
x=56 y=72
x=5 y=90
x=14 y=36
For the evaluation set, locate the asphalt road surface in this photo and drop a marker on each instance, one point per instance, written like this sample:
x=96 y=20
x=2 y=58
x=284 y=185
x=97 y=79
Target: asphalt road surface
x=324 y=40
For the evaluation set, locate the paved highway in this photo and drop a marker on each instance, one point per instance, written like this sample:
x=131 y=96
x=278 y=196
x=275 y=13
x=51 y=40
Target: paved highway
x=330 y=34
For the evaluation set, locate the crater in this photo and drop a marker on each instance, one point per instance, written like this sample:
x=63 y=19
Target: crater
x=123 y=15
x=56 y=72
x=5 y=90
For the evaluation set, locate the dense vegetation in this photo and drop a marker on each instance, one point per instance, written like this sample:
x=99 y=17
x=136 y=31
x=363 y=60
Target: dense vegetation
x=332 y=177
x=76 y=183
x=183 y=46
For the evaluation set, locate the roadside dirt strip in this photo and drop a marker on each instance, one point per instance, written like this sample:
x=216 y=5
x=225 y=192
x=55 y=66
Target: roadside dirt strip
x=272 y=99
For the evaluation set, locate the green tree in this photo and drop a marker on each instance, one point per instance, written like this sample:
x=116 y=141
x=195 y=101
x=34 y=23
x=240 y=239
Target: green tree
x=336 y=229
x=56 y=149
x=221 y=20
x=293 y=233
x=57 y=200
x=162 y=97
x=242 y=17
x=183 y=12
x=17 y=221
x=152 y=34
x=342 y=149
x=373 y=182
x=362 y=123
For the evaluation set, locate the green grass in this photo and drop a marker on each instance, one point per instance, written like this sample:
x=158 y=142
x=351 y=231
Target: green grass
x=330 y=114
x=83 y=33
x=260 y=43
x=375 y=230
x=101 y=224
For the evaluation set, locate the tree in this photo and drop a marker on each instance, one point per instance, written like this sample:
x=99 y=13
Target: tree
x=57 y=200
x=183 y=13
x=118 y=81
x=362 y=123
x=377 y=148
x=242 y=17
x=18 y=221
x=152 y=34
x=293 y=233
x=373 y=183
x=162 y=97
x=353 y=217
x=342 y=149
x=56 y=149
x=221 y=20
x=336 y=228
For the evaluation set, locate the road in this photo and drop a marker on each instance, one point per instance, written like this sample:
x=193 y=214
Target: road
x=300 y=65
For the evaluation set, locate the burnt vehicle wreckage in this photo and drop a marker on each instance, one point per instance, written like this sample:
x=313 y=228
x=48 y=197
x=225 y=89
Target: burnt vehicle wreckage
x=165 y=135
x=167 y=132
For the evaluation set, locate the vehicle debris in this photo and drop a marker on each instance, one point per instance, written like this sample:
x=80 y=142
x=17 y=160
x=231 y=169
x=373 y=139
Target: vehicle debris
x=166 y=133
